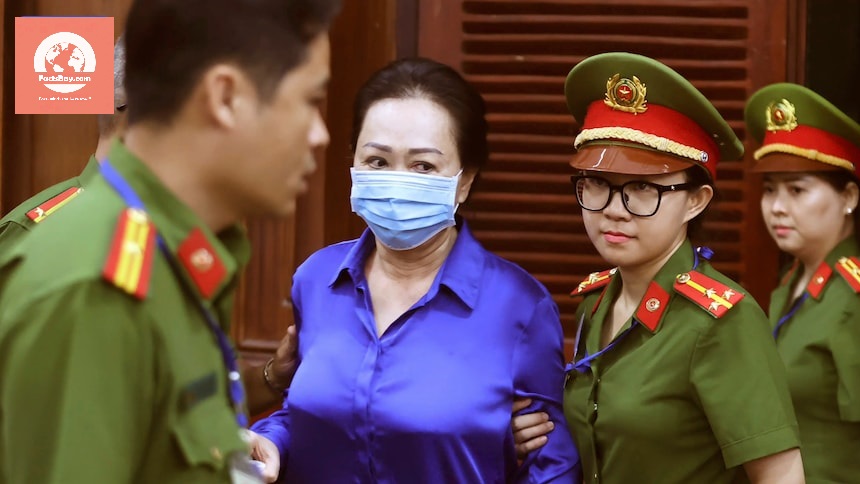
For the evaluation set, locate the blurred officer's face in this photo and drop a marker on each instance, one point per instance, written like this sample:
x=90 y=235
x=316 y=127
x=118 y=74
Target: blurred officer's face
x=805 y=215
x=636 y=243
x=278 y=137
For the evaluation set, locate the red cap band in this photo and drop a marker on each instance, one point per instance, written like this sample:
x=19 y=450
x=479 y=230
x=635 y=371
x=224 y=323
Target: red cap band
x=810 y=138
x=657 y=121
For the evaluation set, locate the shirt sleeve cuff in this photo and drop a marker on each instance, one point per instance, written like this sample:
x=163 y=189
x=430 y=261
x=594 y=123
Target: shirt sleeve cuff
x=761 y=445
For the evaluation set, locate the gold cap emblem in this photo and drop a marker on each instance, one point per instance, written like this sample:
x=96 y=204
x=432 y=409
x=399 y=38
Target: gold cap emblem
x=781 y=116
x=625 y=95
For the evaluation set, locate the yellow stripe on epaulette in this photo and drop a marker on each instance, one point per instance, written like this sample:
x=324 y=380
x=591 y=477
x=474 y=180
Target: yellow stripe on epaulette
x=849 y=268
x=53 y=204
x=595 y=280
x=129 y=261
x=713 y=296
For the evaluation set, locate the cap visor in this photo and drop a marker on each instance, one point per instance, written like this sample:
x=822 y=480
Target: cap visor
x=787 y=163
x=627 y=160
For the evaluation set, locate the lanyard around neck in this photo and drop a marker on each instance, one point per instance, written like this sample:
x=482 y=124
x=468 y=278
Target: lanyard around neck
x=794 y=308
x=237 y=391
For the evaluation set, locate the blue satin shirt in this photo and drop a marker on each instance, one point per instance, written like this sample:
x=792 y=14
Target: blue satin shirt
x=430 y=400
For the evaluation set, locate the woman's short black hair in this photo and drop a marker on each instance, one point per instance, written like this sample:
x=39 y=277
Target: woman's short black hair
x=427 y=79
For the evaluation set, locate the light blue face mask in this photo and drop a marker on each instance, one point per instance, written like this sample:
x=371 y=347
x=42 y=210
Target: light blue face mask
x=404 y=209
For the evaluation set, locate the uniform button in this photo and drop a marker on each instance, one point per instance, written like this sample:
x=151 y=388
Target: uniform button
x=234 y=376
x=595 y=407
x=598 y=380
x=216 y=453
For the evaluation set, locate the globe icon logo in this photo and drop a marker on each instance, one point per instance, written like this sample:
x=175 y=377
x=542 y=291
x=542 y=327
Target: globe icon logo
x=64 y=62
x=64 y=57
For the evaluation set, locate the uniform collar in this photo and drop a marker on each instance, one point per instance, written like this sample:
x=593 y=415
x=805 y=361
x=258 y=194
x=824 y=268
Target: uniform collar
x=461 y=272
x=822 y=276
x=210 y=263
x=651 y=309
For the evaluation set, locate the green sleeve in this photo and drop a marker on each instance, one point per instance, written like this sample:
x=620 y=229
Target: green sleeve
x=76 y=374
x=845 y=347
x=740 y=383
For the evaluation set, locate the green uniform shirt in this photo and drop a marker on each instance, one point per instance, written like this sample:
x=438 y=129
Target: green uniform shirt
x=686 y=403
x=820 y=346
x=97 y=386
x=16 y=223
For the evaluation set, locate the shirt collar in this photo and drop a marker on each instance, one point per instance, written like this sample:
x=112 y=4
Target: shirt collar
x=818 y=282
x=208 y=262
x=461 y=272
x=651 y=309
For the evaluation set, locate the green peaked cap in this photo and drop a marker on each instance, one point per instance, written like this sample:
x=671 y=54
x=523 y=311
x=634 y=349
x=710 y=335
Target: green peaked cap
x=810 y=108
x=587 y=82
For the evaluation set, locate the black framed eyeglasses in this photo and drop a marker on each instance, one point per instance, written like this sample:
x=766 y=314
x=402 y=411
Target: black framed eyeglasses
x=640 y=198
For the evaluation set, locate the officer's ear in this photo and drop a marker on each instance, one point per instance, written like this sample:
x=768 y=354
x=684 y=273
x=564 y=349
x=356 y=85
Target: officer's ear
x=698 y=201
x=851 y=195
x=227 y=93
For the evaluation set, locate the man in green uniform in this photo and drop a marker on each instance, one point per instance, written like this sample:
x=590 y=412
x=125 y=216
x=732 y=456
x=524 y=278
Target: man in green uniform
x=264 y=384
x=114 y=364
x=810 y=158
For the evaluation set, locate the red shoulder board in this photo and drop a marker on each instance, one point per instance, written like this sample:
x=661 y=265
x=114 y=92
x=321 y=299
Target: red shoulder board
x=849 y=267
x=595 y=280
x=819 y=280
x=129 y=261
x=53 y=204
x=714 y=297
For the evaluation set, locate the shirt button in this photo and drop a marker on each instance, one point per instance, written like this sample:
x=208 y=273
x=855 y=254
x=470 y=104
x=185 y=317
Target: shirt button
x=216 y=453
x=595 y=407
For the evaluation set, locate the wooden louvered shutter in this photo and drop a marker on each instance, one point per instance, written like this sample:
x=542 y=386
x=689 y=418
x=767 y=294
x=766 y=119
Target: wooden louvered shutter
x=518 y=52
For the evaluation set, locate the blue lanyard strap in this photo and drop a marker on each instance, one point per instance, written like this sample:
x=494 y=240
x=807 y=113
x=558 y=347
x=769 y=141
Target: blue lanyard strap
x=794 y=308
x=584 y=364
x=237 y=391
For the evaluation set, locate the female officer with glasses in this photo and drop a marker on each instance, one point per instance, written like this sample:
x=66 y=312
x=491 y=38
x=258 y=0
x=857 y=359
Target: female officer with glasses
x=413 y=339
x=675 y=377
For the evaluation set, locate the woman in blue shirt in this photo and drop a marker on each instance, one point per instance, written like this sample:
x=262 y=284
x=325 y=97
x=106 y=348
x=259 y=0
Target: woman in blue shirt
x=413 y=339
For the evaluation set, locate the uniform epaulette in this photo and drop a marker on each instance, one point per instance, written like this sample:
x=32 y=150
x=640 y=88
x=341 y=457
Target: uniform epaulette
x=129 y=261
x=849 y=268
x=53 y=204
x=595 y=280
x=714 y=297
